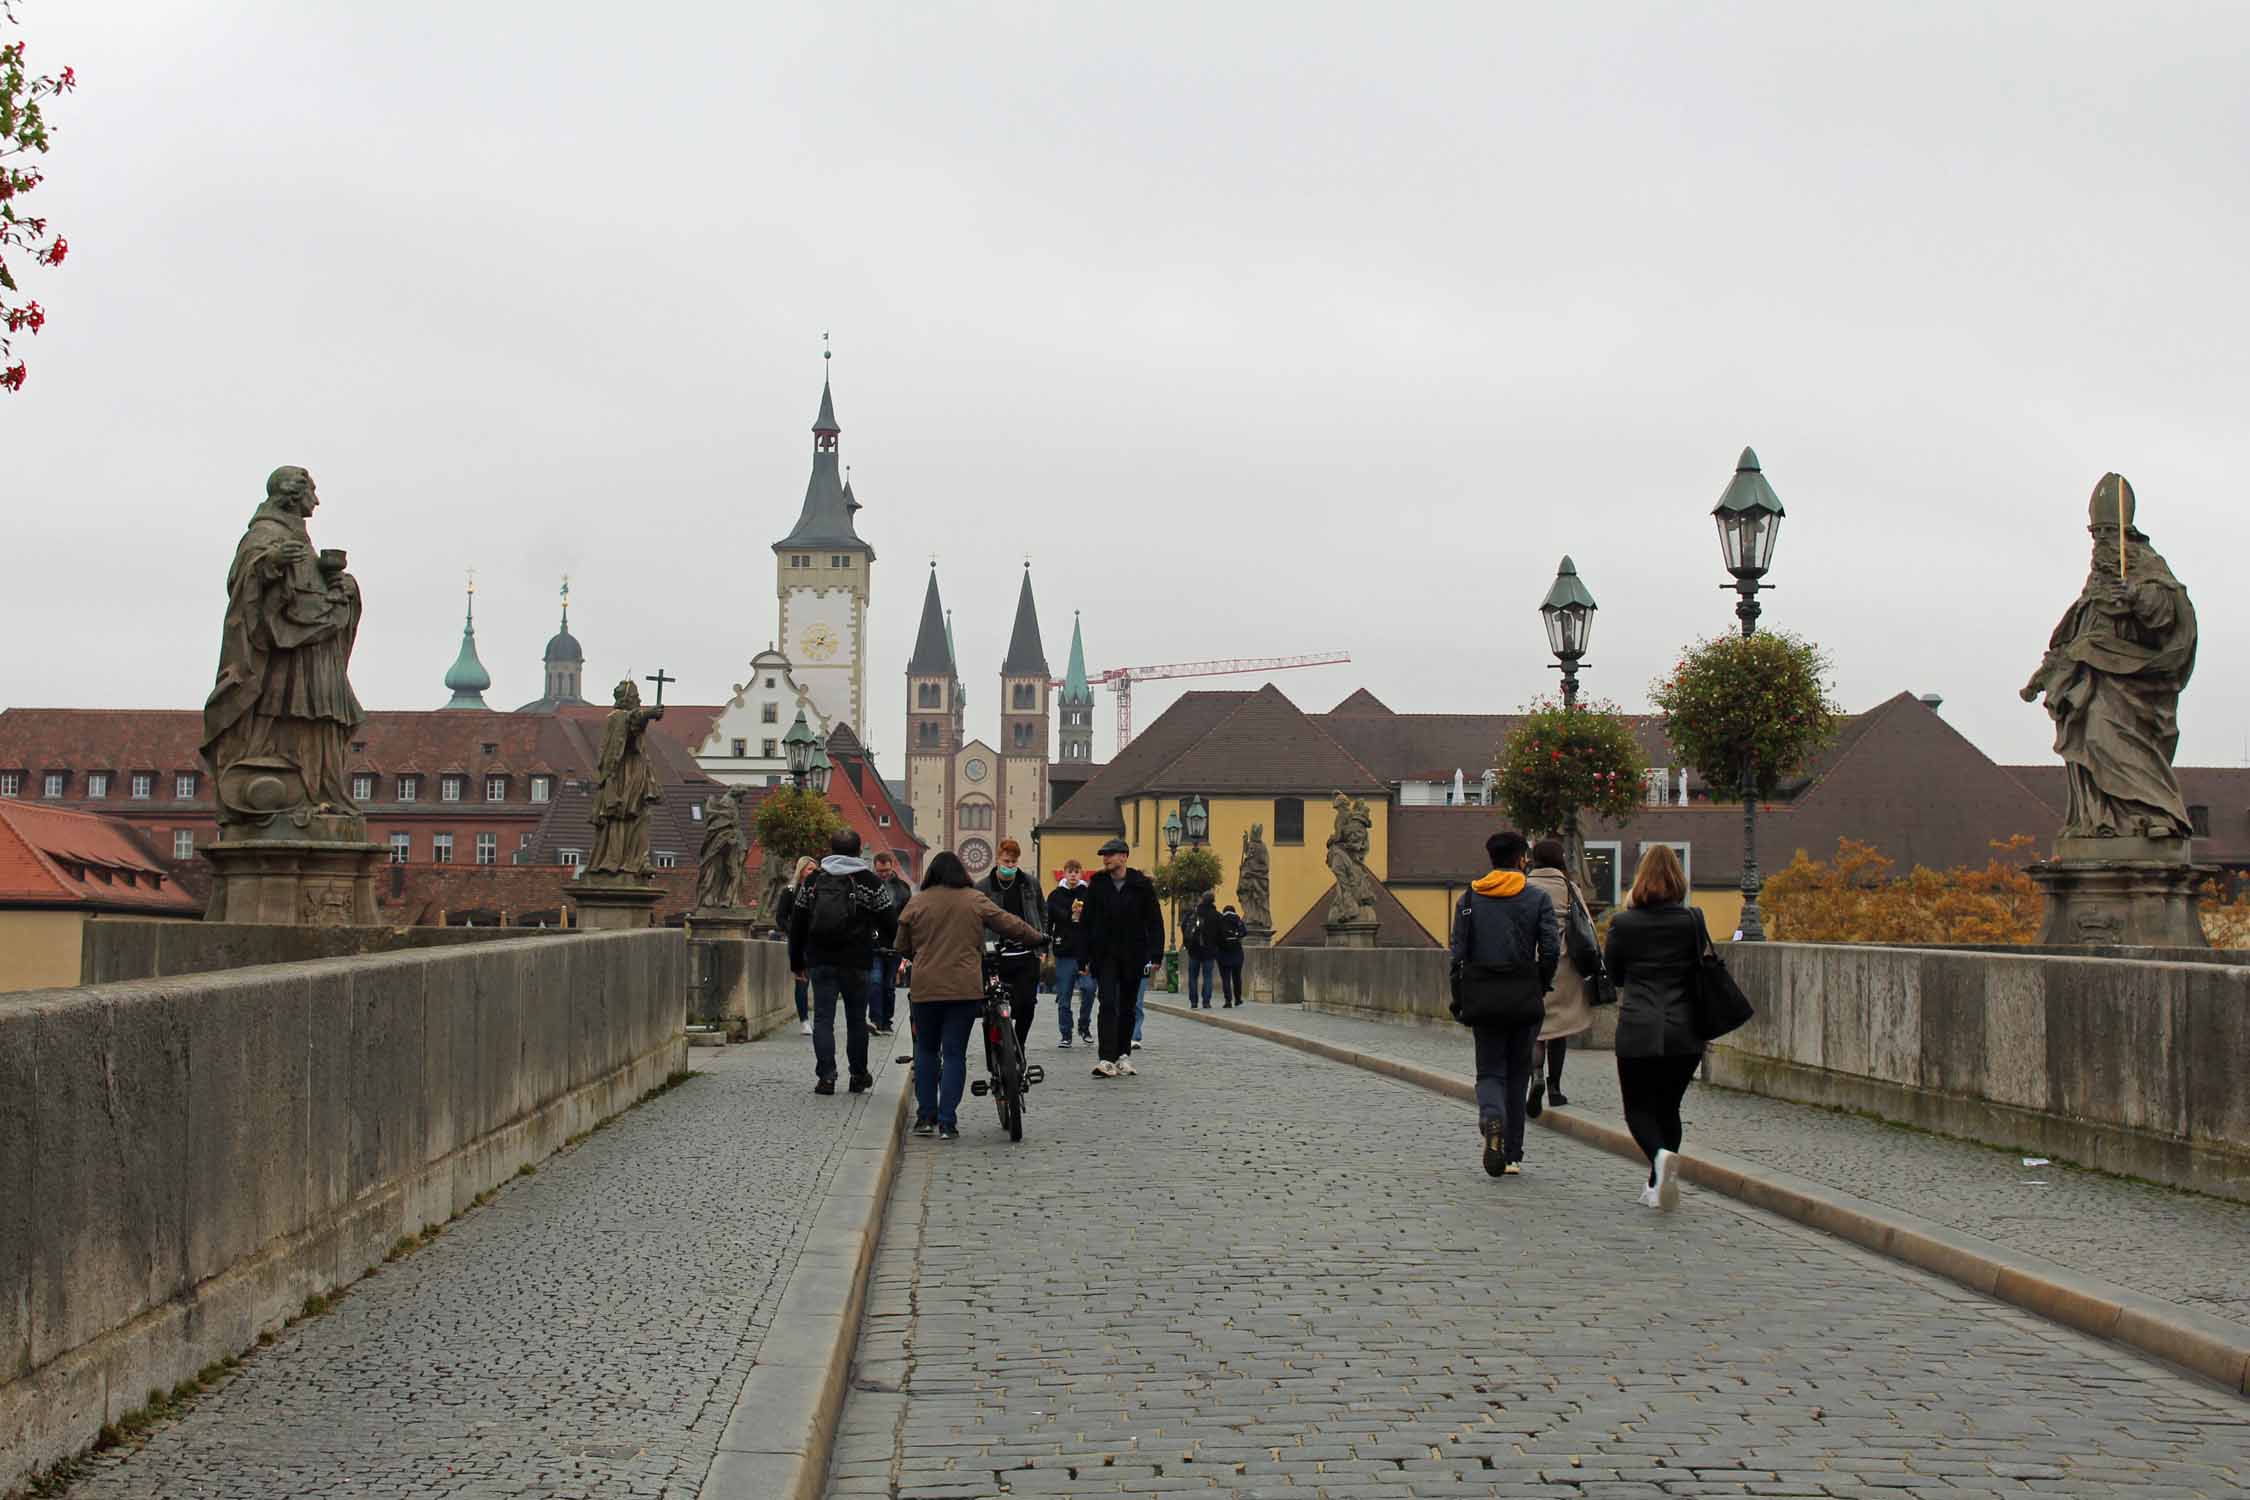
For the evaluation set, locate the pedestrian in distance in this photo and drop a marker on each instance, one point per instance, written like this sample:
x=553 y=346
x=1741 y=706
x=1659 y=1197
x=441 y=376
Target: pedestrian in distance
x=841 y=916
x=1200 y=936
x=783 y=906
x=882 y=984
x=1505 y=950
x=1124 y=939
x=1570 y=1010
x=941 y=933
x=1013 y=890
x=1231 y=933
x=1654 y=946
x=1066 y=928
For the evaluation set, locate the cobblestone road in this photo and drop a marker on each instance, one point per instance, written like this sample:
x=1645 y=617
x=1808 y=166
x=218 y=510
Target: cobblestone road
x=2182 y=1247
x=583 y=1335
x=1253 y=1272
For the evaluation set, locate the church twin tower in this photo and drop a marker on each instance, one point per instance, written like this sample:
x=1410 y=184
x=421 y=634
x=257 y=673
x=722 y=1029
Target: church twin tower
x=966 y=795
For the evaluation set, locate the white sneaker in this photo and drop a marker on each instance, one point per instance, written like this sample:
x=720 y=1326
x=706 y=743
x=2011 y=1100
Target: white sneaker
x=1105 y=1069
x=1667 y=1180
x=1125 y=1067
x=1648 y=1196
x=1136 y=1046
x=805 y=1027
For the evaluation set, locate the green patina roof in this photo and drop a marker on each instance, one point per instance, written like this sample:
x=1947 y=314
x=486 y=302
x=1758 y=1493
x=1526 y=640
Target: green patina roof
x=1077 y=692
x=1748 y=489
x=467 y=678
x=1567 y=590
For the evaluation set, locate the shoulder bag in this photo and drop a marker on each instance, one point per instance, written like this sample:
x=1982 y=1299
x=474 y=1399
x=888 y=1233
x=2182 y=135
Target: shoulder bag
x=1510 y=994
x=1716 y=1002
x=1586 y=955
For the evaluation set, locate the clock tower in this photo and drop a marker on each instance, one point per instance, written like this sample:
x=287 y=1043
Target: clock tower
x=821 y=573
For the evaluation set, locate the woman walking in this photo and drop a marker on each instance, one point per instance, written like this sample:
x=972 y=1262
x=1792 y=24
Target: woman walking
x=1653 y=947
x=1569 y=1008
x=942 y=933
x=1201 y=939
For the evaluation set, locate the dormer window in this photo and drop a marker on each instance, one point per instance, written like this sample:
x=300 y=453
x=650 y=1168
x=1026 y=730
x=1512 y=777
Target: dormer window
x=363 y=787
x=495 y=788
x=51 y=785
x=410 y=789
x=183 y=787
x=542 y=788
x=143 y=785
x=97 y=783
x=449 y=788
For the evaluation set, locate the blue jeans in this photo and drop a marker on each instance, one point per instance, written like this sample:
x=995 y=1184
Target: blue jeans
x=1200 y=971
x=1506 y=1059
x=1071 y=975
x=1140 y=1007
x=830 y=983
x=941 y=1055
x=804 y=1010
x=882 y=990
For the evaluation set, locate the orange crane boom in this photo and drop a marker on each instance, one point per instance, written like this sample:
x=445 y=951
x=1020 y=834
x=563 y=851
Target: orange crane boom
x=1120 y=680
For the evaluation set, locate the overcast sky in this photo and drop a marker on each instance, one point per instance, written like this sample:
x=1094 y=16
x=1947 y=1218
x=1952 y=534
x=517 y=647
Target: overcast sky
x=1262 y=328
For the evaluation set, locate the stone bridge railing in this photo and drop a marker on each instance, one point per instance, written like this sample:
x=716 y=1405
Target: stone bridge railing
x=185 y=1160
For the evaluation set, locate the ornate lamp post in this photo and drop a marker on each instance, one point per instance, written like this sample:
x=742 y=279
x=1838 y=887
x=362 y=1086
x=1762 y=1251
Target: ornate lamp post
x=1568 y=614
x=1198 y=821
x=1749 y=519
x=1172 y=852
x=822 y=768
x=800 y=745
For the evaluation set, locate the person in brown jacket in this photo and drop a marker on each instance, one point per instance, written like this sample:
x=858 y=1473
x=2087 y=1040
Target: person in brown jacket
x=1570 y=1009
x=942 y=933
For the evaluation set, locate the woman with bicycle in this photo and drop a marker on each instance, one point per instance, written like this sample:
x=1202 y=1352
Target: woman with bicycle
x=942 y=933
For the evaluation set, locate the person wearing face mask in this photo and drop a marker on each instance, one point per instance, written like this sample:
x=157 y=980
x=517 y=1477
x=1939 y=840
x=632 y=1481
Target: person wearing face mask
x=1017 y=894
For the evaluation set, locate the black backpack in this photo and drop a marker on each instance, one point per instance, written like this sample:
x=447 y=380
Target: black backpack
x=835 y=912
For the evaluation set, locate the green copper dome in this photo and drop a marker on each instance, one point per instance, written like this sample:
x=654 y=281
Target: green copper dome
x=468 y=679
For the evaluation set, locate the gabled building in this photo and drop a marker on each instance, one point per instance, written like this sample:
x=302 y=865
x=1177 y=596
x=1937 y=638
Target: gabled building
x=740 y=744
x=59 y=870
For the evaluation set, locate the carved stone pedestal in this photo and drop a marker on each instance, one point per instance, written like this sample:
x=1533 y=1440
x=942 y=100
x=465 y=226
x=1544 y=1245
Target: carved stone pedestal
x=2125 y=892
x=294 y=882
x=1257 y=935
x=719 y=957
x=1350 y=934
x=615 y=905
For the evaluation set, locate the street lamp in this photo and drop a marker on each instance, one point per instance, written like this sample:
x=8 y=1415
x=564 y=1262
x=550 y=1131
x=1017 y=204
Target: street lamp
x=1198 y=820
x=821 y=769
x=1172 y=852
x=1568 y=613
x=800 y=745
x=1749 y=520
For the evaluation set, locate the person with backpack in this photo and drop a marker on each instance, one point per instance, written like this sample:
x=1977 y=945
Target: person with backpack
x=1231 y=933
x=1066 y=925
x=1200 y=936
x=783 y=905
x=838 y=921
x=1505 y=951
x=1655 y=944
x=1124 y=940
x=1570 y=1004
x=1016 y=893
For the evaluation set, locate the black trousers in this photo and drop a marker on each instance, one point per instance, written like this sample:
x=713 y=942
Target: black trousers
x=1022 y=975
x=1230 y=978
x=1557 y=1048
x=1651 y=1089
x=1118 y=986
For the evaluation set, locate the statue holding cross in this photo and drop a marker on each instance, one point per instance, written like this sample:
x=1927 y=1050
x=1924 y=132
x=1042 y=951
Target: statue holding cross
x=626 y=785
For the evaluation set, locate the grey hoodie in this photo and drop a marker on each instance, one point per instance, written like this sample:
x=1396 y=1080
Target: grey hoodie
x=878 y=918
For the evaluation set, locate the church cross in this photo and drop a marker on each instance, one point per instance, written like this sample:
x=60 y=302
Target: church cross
x=660 y=679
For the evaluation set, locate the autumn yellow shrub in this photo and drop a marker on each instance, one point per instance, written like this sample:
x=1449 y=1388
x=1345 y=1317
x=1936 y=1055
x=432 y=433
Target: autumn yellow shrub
x=1857 y=899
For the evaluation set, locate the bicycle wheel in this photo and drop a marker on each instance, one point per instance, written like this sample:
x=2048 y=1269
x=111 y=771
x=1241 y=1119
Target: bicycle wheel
x=1007 y=1081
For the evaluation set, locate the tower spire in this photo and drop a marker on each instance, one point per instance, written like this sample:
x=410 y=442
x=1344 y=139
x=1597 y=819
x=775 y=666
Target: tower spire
x=467 y=679
x=1027 y=655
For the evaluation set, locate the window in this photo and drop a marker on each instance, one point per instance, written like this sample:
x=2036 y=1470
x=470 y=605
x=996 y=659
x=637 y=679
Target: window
x=97 y=784
x=490 y=747
x=928 y=695
x=1027 y=696
x=925 y=733
x=1288 y=820
x=665 y=859
x=838 y=560
x=449 y=788
x=183 y=843
x=1022 y=735
x=976 y=816
x=2199 y=821
x=402 y=848
x=769 y=713
x=1602 y=861
x=882 y=820
x=488 y=848
x=695 y=812
x=11 y=783
x=144 y=785
x=441 y=848
x=800 y=559
x=741 y=749
x=768 y=749
x=495 y=788
x=183 y=787
x=570 y=857
x=409 y=788
x=770 y=682
x=542 y=787
x=52 y=784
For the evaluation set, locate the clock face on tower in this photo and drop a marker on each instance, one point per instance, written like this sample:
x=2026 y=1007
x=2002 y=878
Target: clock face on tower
x=818 y=642
x=974 y=770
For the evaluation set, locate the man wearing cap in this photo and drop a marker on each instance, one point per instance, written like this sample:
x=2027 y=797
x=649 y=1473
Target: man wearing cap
x=1124 y=937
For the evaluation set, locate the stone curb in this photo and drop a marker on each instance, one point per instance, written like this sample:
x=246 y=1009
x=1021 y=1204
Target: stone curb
x=782 y=1432
x=2211 y=1347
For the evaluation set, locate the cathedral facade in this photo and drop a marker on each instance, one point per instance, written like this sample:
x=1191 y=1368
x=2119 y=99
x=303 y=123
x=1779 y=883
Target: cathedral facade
x=967 y=794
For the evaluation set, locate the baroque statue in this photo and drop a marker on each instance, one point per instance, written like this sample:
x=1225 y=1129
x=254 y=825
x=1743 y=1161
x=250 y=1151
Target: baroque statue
x=720 y=872
x=625 y=787
x=1253 y=881
x=2112 y=677
x=280 y=717
x=1354 y=900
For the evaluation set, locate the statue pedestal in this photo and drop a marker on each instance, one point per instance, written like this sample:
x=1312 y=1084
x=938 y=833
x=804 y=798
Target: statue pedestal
x=1350 y=934
x=1257 y=935
x=294 y=882
x=615 y=905
x=719 y=957
x=2123 y=892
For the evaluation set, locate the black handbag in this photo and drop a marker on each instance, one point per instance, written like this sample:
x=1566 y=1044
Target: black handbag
x=1717 y=1005
x=1586 y=955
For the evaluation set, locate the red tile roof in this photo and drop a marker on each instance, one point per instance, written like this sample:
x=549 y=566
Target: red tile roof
x=52 y=857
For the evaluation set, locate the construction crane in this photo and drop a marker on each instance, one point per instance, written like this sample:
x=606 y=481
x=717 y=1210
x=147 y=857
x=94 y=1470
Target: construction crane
x=1120 y=680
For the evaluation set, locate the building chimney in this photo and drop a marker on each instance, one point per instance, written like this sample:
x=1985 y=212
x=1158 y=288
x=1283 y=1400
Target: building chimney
x=1933 y=702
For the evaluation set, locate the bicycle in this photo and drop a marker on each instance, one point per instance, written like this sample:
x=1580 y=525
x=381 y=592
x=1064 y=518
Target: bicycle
x=1007 y=1075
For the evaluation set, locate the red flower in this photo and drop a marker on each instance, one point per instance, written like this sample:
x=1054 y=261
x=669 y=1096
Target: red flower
x=56 y=251
x=68 y=80
x=12 y=378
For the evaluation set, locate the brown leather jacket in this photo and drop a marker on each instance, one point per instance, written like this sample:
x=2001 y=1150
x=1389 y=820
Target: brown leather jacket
x=942 y=930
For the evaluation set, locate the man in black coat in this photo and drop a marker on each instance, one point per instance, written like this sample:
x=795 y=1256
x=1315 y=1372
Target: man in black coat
x=1124 y=938
x=1505 y=943
x=841 y=916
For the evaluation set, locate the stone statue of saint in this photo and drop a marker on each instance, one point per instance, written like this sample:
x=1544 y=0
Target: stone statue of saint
x=280 y=717
x=719 y=873
x=624 y=788
x=2112 y=678
x=1354 y=900
x=1253 y=881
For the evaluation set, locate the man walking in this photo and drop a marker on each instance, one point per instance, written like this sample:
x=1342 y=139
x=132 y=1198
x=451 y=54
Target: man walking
x=882 y=985
x=841 y=916
x=1013 y=890
x=1505 y=948
x=1124 y=939
x=1066 y=927
x=1231 y=933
